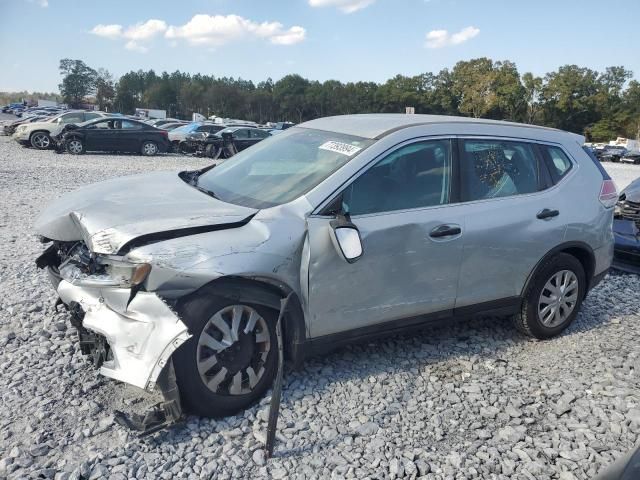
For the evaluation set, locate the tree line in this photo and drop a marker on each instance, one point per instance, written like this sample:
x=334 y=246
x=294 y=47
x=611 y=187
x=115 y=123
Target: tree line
x=600 y=105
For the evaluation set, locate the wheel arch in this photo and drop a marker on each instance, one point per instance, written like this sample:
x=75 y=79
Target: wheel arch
x=39 y=130
x=267 y=292
x=580 y=250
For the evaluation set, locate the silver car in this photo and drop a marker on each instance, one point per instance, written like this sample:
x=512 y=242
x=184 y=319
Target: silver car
x=367 y=224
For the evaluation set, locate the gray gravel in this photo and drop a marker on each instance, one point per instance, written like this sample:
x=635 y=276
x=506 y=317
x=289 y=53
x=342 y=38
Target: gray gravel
x=471 y=400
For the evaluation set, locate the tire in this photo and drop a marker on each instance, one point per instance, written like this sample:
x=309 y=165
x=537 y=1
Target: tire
x=175 y=147
x=183 y=148
x=195 y=356
x=40 y=140
x=74 y=146
x=212 y=151
x=533 y=319
x=149 y=149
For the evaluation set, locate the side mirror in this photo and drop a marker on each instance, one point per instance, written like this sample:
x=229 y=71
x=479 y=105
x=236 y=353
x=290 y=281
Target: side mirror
x=346 y=238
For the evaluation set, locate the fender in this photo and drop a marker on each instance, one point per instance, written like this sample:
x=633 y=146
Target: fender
x=569 y=247
x=266 y=292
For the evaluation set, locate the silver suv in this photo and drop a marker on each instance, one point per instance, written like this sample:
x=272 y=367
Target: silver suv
x=369 y=224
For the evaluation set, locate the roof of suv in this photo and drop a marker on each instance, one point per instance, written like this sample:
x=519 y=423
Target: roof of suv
x=377 y=125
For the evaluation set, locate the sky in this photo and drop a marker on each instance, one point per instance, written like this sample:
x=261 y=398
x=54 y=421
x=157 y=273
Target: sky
x=347 y=40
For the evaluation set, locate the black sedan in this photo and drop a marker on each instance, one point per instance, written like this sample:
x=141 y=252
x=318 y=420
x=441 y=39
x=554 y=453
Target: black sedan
x=229 y=141
x=113 y=135
x=626 y=229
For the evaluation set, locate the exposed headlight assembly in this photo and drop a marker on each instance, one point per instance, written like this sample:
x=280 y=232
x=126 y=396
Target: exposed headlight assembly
x=91 y=270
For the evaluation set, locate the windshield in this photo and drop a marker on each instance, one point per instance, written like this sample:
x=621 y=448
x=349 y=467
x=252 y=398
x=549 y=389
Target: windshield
x=280 y=169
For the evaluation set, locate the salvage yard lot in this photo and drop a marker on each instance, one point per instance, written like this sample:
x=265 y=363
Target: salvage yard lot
x=470 y=400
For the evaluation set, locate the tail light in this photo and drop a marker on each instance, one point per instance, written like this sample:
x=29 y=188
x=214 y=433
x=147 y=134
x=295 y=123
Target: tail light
x=608 y=194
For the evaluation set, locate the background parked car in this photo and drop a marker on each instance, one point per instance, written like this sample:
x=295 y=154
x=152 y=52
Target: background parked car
x=631 y=157
x=178 y=136
x=113 y=135
x=611 y=153
x=237 y=139
x=171 y=126
x=38 y=134
x=11 y=127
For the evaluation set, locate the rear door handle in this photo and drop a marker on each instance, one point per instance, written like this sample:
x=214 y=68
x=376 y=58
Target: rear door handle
x=546 y=213
x=445 y=231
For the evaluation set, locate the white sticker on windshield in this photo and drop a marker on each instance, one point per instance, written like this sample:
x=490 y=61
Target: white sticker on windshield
x=339 y=147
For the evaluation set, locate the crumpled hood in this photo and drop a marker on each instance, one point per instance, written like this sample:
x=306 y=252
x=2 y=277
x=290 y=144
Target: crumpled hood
x=110 y=214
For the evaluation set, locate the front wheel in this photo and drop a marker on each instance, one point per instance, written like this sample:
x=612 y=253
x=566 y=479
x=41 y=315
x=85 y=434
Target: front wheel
x=41 y=140
x=231 y=358
x=149 y=149
x=74 y=146
x=553 y=298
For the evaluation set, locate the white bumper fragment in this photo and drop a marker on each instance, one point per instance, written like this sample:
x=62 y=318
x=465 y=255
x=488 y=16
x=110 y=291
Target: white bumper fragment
x=142 y=335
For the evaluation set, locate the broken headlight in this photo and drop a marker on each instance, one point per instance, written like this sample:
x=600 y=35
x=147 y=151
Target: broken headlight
x=82 y=267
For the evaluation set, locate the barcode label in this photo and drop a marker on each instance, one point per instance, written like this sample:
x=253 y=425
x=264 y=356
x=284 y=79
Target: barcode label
x=338 y=147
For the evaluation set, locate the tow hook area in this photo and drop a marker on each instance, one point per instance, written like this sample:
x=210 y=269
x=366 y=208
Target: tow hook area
x=93 y=345
x=161 y=415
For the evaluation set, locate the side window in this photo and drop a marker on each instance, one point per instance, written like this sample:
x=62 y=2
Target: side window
x=259 y=134
x=494 y=168
x=72 y=118
x=241 y=133
x=414 y=176
x=90 y=116
x=104 y=125
x=127 y=125
x=557 y=161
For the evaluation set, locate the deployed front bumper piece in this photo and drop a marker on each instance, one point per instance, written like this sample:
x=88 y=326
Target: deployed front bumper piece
x=627 y=246
x=142 y=332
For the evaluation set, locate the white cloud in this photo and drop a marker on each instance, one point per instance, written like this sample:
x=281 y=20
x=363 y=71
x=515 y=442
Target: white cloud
x=216 y=30
x=107 y=31
x=442 y=38
x=135 y=34
x=146 y=30
x=201 y=30
x=345 y=6
x=136 y=47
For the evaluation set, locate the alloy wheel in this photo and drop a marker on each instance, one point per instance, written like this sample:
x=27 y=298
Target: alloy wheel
x=558 y=298
x=41 y=140
x=150 y=148
x=232 y=350
x=75 y=146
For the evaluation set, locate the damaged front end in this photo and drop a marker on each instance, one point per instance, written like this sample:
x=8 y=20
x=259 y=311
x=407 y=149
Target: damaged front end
x=626 y=230
x=107 y=299
x=129 y=333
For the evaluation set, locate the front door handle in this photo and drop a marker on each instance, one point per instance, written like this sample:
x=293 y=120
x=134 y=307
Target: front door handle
x=445 y=231
x=546 y=213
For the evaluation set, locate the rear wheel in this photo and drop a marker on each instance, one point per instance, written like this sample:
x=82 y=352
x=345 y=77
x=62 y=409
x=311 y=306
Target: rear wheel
x=230 y=360
x=553 y=298
x=41 y=140
x=149 y=149
x=74 y=146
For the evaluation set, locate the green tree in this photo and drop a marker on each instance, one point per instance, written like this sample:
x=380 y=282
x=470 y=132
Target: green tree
x=105 y=90
x=78 y=81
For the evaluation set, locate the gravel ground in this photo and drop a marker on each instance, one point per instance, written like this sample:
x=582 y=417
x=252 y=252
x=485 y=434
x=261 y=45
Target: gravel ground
x=470 y=400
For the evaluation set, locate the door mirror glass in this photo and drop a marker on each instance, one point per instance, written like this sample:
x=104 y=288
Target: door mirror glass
x=346 y=239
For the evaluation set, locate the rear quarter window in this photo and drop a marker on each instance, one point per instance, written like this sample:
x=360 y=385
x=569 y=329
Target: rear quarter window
x=557 y=161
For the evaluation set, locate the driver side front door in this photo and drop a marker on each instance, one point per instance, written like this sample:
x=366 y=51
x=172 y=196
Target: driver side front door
x=411 y=240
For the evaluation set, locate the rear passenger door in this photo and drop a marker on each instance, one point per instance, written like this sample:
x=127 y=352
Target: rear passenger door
x=514 y=216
